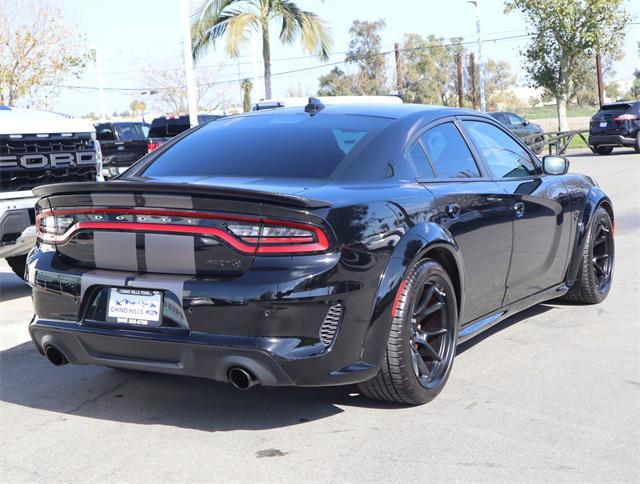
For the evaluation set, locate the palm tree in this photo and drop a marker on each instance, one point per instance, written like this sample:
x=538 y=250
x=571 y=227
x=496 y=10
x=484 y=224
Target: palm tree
x=246 y=85
x=237 y=18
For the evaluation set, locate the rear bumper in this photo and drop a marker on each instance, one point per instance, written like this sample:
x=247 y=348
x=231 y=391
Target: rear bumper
x=610 y=140
x=270 y=327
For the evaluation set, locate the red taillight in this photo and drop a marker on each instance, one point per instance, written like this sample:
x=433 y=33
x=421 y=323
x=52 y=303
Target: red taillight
x=250 y=235
x=626 y=117
x=152 y=146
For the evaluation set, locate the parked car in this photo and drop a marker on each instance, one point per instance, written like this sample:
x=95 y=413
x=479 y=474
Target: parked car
x=313 y=246
x=166 y=127
x=615 y=125
x=523 y=129
x=122 y=144
x=37 y=148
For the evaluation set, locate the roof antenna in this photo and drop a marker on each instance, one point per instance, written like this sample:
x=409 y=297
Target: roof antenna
x=314 y=106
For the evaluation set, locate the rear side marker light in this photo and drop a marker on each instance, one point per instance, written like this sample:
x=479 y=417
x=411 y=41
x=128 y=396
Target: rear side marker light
x=248 y=235
x=152 y=146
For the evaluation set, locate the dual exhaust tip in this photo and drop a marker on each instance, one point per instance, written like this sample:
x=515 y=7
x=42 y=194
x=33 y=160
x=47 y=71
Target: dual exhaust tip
x=239 y=377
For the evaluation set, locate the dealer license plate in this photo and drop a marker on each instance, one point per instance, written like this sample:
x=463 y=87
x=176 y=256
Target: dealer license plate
x=134 y=306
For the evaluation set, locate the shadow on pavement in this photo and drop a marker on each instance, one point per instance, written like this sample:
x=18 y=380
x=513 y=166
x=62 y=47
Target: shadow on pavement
x=615 y=152
x=502 y=325
x=29 y=380
x=12 y=287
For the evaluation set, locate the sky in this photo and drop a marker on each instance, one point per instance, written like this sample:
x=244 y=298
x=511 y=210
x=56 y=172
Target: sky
x=130 y=34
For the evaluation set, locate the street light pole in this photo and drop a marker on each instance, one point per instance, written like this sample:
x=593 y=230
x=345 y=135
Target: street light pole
x=188 y=65
x=476 y=4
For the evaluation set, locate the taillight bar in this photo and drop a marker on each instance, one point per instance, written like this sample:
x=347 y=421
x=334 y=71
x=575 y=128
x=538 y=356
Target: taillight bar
x=626 y=117
x=313 y=239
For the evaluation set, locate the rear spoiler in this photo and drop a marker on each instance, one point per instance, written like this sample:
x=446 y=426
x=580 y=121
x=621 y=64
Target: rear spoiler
x=121 y=186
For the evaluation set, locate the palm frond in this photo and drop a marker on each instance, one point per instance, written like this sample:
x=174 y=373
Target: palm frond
x=314 y=32
x=211 y=21
x=238 y=29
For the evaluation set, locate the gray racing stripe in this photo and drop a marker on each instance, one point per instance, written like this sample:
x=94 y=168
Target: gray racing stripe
x=170 y=254
x=167 y=201
x=115 y=250
x=102 y=278
x=113 y=199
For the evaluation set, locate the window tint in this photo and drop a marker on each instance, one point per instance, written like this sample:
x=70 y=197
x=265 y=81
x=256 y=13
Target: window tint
x=104 y=132
x=515 y=119
x=449 y=153
x=503 y=154
x=420 y=161
x=271 y=145
x=500 y=117
x=129 y=131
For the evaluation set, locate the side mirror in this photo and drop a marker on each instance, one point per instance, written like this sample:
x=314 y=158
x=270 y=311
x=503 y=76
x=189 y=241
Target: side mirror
x=555 y=165
x=525 y=122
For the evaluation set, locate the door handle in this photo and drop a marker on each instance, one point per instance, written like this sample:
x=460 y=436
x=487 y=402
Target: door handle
x=453 y=210
x=518 y=208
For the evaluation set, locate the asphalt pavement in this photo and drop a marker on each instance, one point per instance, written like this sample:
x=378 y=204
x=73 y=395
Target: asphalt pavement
x=552 y=394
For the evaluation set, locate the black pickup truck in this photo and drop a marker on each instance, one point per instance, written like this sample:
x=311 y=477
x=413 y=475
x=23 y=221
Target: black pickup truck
x=122 y=144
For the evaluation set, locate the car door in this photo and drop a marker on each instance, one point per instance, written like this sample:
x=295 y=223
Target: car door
x=540 y=206
x=518 y=125
x=472 y=208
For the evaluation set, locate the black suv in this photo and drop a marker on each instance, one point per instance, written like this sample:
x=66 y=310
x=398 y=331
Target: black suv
x=522 y=128
x=616 y=124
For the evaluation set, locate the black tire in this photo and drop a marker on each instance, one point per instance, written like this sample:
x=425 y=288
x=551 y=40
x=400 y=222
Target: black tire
x=596 y=265
x=637 y=145
x=537 y=149
x=18 y=264
x=603 y=150
x=402 y=378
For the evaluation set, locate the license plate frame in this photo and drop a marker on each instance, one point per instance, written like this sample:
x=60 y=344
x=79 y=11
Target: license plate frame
x=137 y=307
x=603 y=124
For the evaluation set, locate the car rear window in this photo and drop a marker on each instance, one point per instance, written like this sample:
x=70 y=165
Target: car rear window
x=278 y=145
x=129 y=131
x=616 y=108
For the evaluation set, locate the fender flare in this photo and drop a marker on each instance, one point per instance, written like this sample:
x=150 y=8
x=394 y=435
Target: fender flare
x=413 y=246
x=595 y=199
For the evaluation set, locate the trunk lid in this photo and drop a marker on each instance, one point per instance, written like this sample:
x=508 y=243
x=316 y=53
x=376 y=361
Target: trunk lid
x=171 y=228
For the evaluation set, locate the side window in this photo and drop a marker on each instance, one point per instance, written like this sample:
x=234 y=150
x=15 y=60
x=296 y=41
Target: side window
x=514 y=119
x=449 y=153
x=503 y=154
x=420 y=161
x=501 y=117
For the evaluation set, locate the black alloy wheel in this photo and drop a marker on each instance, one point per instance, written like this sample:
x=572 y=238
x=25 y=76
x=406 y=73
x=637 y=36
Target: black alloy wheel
x=422 y=340
x=597 y=260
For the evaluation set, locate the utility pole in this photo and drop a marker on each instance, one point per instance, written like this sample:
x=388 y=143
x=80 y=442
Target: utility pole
x=459 y=86
x=254 y=61
x=599 y=75
x=396 y=48
x=192 y=96
x=476 y=4
x=103 y=109
x=474 y=86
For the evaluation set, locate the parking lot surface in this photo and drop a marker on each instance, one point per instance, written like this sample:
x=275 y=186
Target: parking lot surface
x=550 y=394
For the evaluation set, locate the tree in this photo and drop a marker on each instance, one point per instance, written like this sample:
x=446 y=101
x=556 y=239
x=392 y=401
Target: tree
x=169 y=91
x=498 y=84
x=138 y=107
x=563 y=31
x=38 y=52
x=246 y=85
x=237 y=18
x=429 y=70
x=365 y=53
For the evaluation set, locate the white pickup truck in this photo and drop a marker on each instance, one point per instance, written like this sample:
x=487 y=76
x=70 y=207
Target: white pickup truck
x=38 y=148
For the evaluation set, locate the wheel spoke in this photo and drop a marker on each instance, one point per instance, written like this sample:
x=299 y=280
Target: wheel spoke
x=424 y=300
x=599 y=241
x=437 y=332
x=598 y=269
x=600 y=257
x=432 y=309
x=419 y=365
x=420 y=338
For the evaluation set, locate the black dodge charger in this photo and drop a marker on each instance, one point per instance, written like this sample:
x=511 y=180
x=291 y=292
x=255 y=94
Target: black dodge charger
x=315 y=246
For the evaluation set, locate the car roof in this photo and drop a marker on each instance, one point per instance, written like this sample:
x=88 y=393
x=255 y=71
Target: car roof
x=392 y=111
